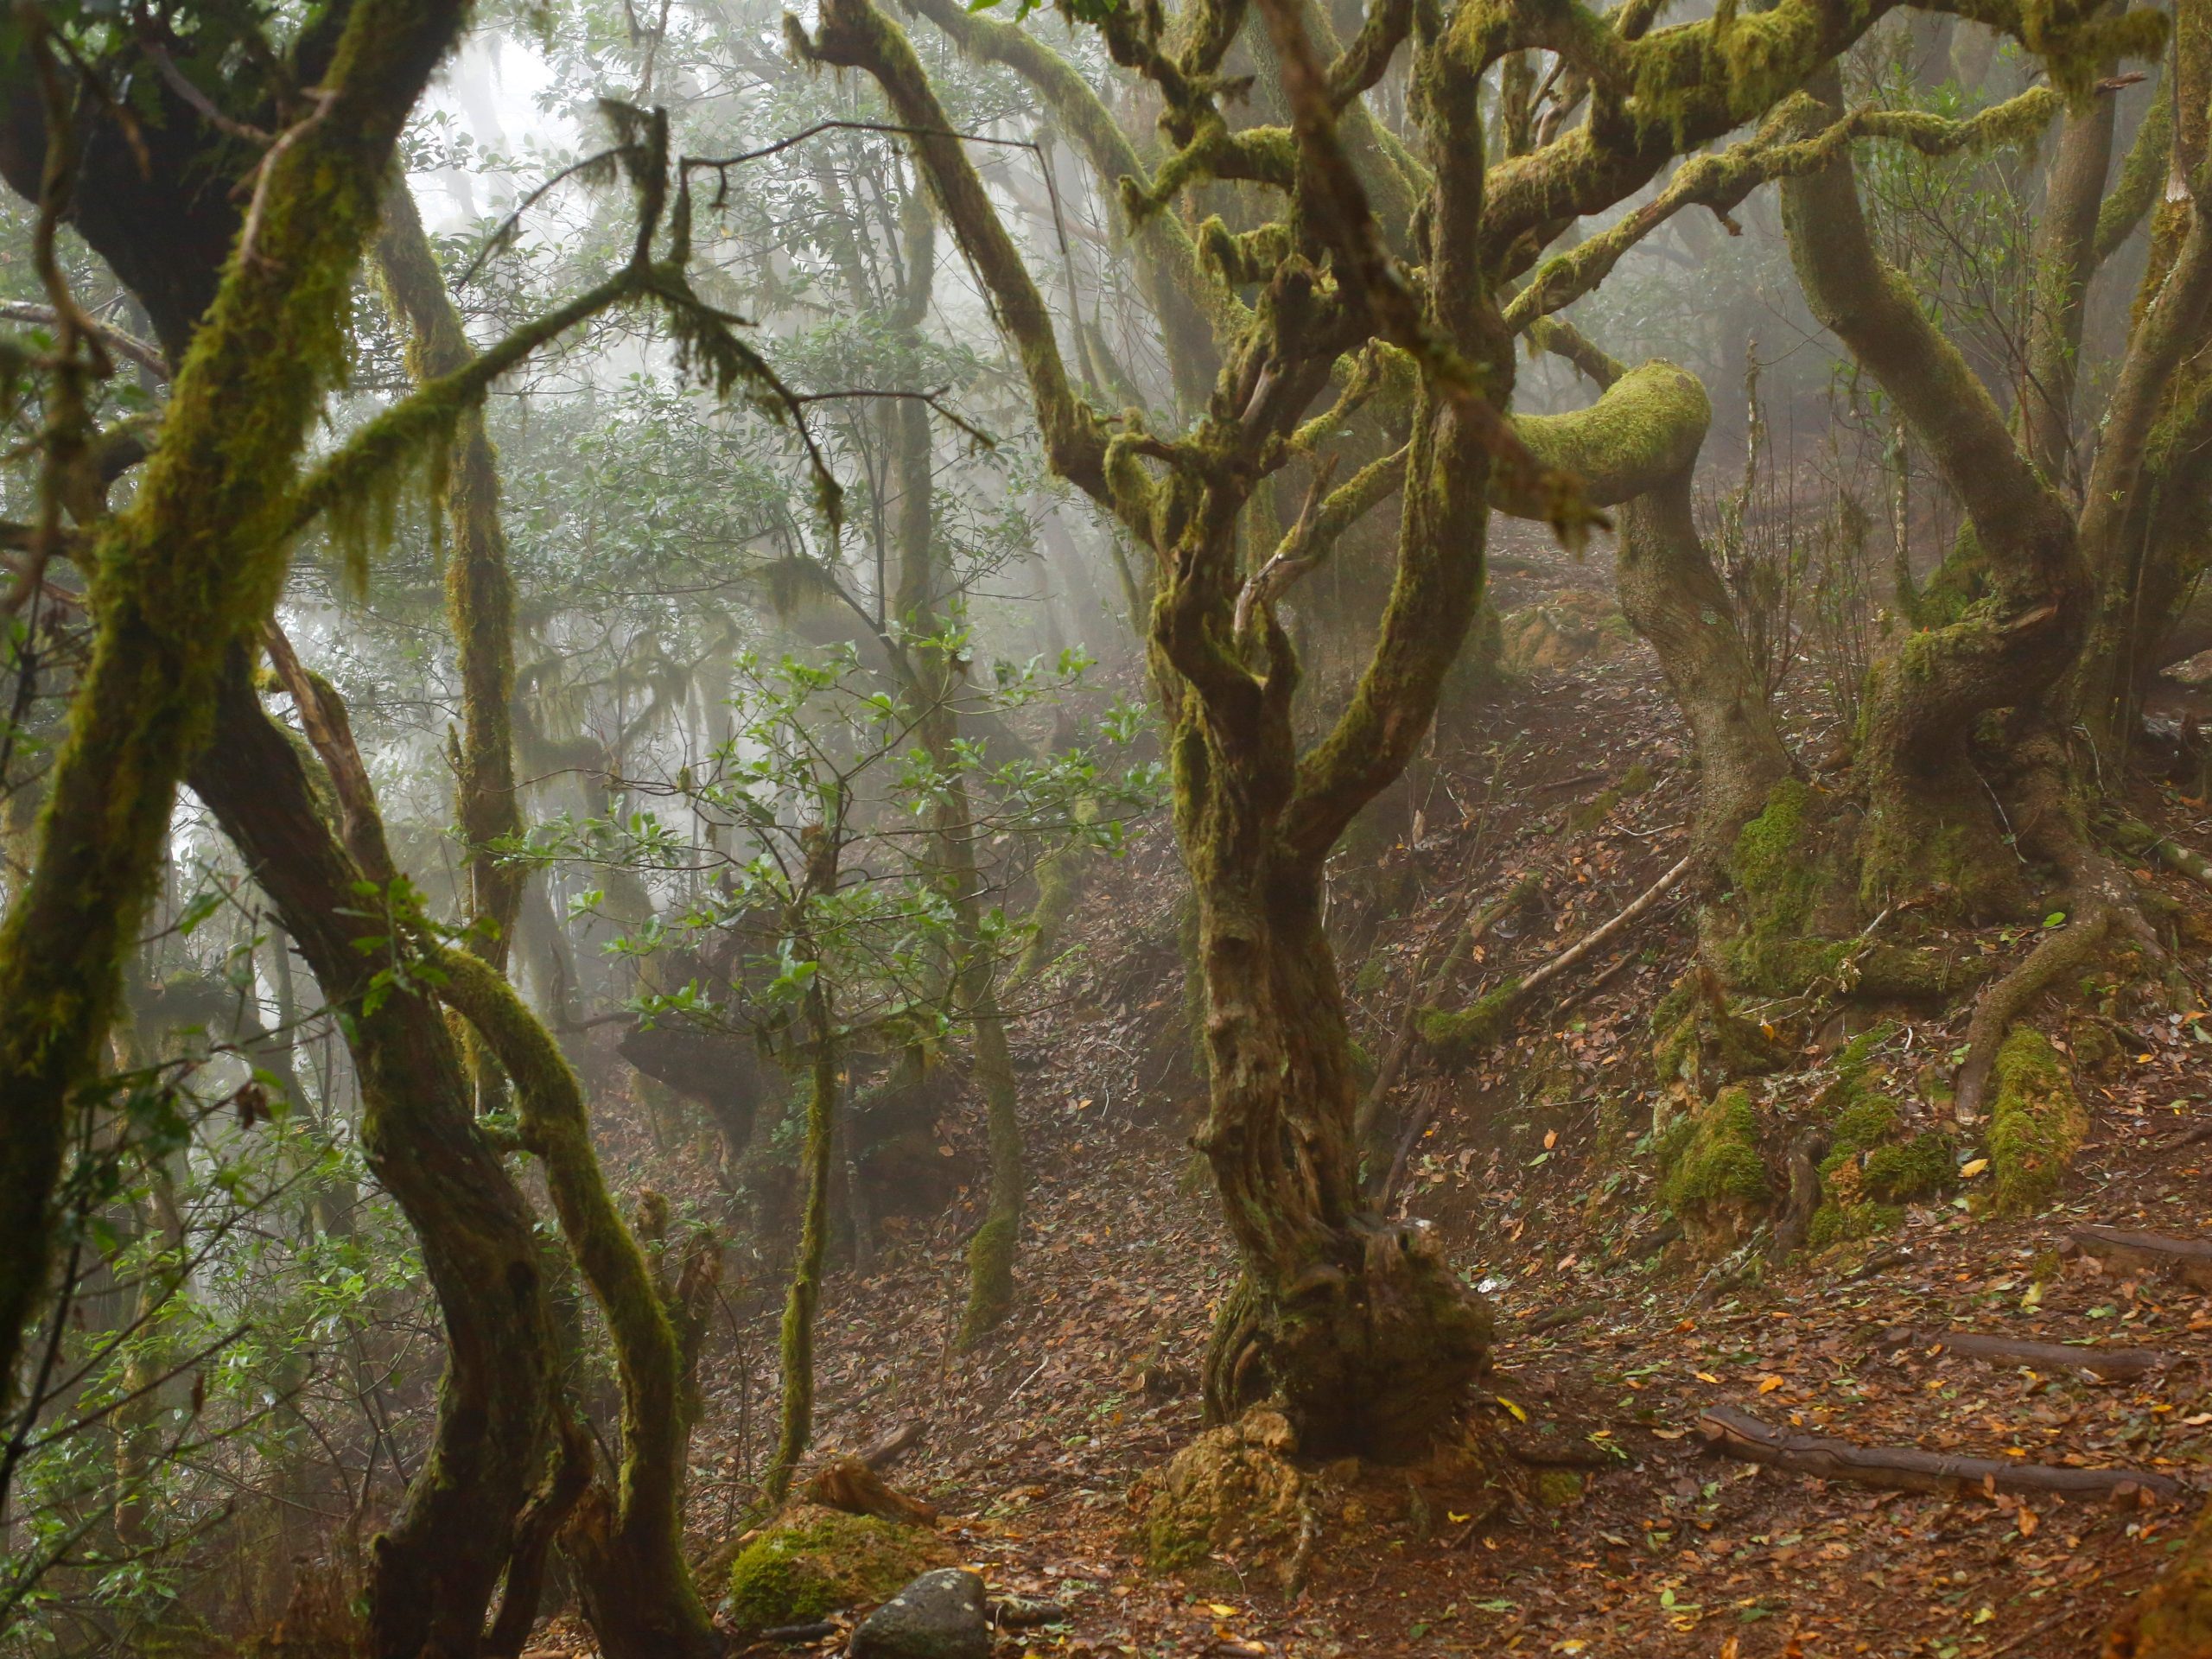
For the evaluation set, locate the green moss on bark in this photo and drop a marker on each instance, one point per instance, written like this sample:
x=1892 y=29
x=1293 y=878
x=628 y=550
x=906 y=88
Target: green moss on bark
x=1712 y=1178
x=1454 y=1033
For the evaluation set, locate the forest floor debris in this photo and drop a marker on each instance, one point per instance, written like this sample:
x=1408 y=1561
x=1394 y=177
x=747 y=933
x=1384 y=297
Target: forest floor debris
x=1646 y=1541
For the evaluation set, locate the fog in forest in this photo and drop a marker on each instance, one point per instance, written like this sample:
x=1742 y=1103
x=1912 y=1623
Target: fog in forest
x=932 y=830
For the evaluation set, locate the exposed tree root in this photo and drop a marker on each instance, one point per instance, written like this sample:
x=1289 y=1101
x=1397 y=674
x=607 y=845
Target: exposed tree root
x=1907 y=1469
x=2100 y=902
x=2190 y=1258
x=2056 y=954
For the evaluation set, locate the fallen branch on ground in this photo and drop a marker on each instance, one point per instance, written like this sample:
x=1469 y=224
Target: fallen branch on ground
x=1907 y=1469
x=2112 y=1364
x=2140 y=838
x=2189 y=1257
x=849 y=1484
x=1558 y=1317
x=1492 y=1016
x=894 y=1445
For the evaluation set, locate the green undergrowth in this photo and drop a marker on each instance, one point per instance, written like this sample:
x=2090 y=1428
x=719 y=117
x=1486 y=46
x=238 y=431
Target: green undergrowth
x=817 y=1561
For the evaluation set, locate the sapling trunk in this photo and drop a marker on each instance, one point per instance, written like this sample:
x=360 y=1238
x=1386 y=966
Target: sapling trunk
x=796 y=1427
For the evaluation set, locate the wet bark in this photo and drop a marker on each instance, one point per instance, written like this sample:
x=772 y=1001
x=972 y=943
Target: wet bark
x=191 y=567
x=626 y=1545
x=434 y=1573
x=1929 y=826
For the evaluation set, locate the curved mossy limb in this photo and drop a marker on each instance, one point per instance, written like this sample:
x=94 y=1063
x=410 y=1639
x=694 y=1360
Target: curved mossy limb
x=432 y=1574
x=627 y=1545
x=2037 y=1125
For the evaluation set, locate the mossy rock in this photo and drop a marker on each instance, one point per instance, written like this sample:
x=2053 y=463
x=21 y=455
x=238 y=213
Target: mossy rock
x=816 y=1560
x=2037 y=1125
x=1234 y=1488
x=1576 y=626
x=1712 y=1178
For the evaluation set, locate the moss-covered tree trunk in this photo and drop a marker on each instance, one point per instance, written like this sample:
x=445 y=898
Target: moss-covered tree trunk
x=1928 y=824
x=192 y=567
x=435 y=1572
x=480 y=599
x=479 y=594
x=626 y=1545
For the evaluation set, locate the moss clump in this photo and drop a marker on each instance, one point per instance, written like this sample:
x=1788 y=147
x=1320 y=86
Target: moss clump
x=817 y=1561
x=1919 y=1168
x=1233 y=1485
x=1838 y=1223
x=2038 y=1123
x=1559 y=1489
x=1773 y=871
x=1710 y=1176
x=1454 y=1033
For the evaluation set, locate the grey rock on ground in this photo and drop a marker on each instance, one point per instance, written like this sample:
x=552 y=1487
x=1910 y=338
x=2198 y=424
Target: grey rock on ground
x=938 y=1616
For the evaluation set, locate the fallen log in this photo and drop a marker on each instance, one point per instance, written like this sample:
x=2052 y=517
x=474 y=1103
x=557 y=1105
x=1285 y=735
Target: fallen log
x=2111 y=1364
x=2190 y=1258
x=1907 y=1469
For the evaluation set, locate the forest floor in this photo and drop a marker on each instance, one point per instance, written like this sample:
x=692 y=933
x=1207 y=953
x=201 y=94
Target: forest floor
x=1529 y=1166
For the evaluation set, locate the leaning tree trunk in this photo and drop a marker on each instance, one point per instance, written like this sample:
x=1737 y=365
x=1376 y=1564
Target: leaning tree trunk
x=193 y=566
x=433 y=1574
x=1929 y=826
x=626 y=1545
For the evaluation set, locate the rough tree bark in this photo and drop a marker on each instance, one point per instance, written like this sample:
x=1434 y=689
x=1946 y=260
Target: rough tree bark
x=1929 y=826
x=495 y=1451
x=192 y=567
